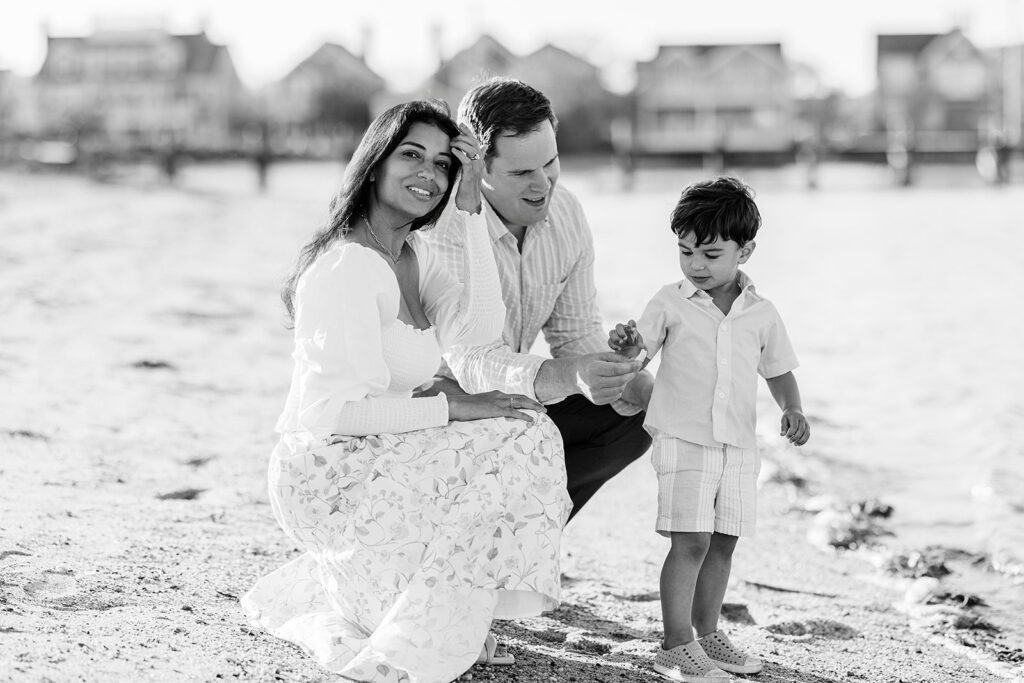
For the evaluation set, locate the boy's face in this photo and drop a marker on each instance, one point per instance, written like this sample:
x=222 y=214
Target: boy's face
x=712 y=267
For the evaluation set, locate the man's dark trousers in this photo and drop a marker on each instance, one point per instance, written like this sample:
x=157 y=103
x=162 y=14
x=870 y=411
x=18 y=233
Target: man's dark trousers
x=599 y=443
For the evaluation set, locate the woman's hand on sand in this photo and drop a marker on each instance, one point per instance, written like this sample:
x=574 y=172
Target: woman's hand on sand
x=626 y=340
x=467 y=407
x=795 y=427
x=466 y=149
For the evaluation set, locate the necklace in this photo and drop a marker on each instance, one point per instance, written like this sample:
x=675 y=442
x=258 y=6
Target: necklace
x=380 y=244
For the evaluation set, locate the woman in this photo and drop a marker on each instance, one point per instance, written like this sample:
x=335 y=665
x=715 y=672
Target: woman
x=422 y=517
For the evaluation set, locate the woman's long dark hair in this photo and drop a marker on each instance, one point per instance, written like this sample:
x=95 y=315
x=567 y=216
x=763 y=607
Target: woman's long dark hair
x=382 y=137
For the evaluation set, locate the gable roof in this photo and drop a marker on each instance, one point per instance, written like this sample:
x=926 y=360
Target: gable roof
x=549 y=51
x=557 y=63
x=708 y=57
x=910 y=44
x=337 y=59
x=769 y=53
x=943 y=45
x=486 y=55
x=201 y=55
x=704 y=50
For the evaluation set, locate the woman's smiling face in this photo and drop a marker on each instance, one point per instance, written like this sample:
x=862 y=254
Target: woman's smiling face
x=414 y=177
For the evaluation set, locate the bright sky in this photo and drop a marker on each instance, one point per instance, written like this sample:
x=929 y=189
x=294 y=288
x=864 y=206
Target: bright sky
x=266 y=39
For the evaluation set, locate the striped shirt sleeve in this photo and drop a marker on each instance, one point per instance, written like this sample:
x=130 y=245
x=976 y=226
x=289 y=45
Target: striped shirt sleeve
x=478 y=367
x=574 y=326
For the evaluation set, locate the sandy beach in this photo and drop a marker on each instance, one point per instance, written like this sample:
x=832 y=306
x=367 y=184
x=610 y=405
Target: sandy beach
x=144 y=360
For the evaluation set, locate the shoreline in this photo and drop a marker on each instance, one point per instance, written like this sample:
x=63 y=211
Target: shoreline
x=146 y=362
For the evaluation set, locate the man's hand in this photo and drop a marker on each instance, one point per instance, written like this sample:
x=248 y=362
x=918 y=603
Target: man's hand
x=601 y=377
x=638 y=392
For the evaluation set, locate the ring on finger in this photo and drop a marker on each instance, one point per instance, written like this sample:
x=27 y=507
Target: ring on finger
x=474 y=156
x=510 y=406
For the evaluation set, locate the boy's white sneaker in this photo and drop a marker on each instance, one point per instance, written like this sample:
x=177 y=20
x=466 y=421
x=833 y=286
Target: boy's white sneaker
x=690 y=664
x=727 y=656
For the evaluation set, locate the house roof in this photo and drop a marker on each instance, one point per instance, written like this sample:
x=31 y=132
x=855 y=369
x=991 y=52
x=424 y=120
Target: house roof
x=911 y=44
x=704 y=50
x=554 y=52
x=707 y=59
x=201 y=55
x=485 y=55
x=339 y=60
x=558 y=63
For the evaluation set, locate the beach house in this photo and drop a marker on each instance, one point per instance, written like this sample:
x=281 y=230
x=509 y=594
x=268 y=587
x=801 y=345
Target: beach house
x=583 y=105
x=138 y=88
x=16 y=112
x=937 y=91
x=697 y=99
x=323 y=104
x=1009 y=64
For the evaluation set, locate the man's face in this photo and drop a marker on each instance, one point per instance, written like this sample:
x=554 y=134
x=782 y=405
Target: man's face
x=521 y=176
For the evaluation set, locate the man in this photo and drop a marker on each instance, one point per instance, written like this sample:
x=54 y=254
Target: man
x=545 y=255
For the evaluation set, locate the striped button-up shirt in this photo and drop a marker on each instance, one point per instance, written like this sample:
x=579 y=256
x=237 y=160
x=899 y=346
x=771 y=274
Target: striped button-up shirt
x=548 y=286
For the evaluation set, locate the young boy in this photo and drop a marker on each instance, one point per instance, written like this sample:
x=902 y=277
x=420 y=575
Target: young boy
x=717 y=334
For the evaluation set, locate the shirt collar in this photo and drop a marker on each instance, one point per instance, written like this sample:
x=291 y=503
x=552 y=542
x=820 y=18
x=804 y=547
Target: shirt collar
x=746 y=284
x=496 y=228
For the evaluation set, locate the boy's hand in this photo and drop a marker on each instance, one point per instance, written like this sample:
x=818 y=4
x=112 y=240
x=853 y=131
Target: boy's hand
x=795 y=427
x=626 y=340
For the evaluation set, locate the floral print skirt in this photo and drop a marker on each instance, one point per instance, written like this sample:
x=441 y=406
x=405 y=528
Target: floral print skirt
x=414 y=543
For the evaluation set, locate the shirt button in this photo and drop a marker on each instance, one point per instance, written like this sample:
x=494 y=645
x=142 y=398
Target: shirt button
x=725 y=328
x=724 y=362
x=721 y=394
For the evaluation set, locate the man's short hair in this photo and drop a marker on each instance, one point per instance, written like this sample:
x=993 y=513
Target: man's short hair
x=721 y=208
x=503 y=106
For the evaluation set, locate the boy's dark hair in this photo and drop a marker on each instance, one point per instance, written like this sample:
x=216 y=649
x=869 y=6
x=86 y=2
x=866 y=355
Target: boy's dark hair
x=504 y=106
x=722 y=208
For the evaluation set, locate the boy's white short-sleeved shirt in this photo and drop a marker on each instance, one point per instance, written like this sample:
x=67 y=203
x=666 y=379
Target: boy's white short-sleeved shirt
x=705 y=391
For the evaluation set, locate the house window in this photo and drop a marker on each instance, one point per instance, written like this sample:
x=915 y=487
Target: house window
x=735 y=117
x=966 y=116
x=963 y=80
x=675 y=119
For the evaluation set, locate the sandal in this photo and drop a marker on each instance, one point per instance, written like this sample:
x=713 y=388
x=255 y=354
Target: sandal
x=727 y=656
x=492 y=656
x=688 y=663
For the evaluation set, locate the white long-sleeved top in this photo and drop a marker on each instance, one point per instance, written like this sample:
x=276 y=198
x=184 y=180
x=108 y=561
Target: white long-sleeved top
x=356 y=363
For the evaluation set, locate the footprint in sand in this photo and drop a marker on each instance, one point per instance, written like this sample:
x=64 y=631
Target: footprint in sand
x=813 y=628
x=58 y=589
x=52 y=585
